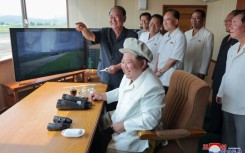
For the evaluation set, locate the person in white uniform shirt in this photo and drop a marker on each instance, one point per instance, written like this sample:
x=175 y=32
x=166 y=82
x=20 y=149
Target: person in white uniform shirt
x=232 y=89
x=144 y=22
x=200 y=42
x=172 y=50
x=140 y=99
x=153 y=38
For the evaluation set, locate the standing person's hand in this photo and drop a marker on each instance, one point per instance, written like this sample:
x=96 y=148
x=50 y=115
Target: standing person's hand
x=114 y=68
x=80 y=26
x=201 y=76
x=218 y=100
x=158 y=74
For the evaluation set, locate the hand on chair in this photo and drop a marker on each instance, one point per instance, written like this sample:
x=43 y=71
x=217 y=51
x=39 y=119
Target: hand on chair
x=118 y=127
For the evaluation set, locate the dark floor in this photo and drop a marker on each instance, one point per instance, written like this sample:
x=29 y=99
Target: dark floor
x=209 y=137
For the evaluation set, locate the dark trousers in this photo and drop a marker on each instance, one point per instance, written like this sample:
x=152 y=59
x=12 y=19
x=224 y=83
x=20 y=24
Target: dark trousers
x=166 y=89
x=103 y=134
x=111 y=106
x=233 y=130
x=216 y=116
x=101 y=140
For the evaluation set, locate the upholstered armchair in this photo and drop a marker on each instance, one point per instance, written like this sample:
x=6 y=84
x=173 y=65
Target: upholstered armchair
x=183 y=115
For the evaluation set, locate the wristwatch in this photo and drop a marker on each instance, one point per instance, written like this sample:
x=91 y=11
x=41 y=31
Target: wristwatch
x=160 y=72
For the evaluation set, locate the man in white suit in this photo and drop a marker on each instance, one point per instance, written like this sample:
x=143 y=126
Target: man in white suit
x=172 y=49
x=153 y=38
x=140 y=100
x=232 y=89
x=200 y=43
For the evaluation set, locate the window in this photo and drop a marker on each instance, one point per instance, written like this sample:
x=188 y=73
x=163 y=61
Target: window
x=10 y=17
x=46 y=13
x=40 y=13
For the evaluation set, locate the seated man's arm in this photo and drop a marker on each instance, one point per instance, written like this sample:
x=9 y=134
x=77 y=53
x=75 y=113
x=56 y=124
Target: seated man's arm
x=99 y=96
x=118 y=127
x=109 y=96
x=150 y=112
x=112 y=95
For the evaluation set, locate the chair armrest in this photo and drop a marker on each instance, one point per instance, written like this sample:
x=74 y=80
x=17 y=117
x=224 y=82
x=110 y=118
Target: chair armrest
x=148 y=135
x=170 y=134
x=197 y=132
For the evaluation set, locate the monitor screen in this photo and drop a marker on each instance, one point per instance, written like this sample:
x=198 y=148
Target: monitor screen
x=39 y=52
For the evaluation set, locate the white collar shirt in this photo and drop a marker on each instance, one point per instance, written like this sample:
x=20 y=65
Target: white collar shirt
x=153 y=44
x=199 y=51
x=174 y=47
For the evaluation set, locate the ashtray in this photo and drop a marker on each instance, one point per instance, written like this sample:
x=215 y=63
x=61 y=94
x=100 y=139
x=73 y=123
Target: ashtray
x=73 y=132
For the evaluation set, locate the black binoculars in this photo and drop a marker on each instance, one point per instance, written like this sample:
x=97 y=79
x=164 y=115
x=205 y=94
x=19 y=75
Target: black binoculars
x=69 y=105
x=69 y=102
x=60 y=119
x=60 y=123
x=73 y=98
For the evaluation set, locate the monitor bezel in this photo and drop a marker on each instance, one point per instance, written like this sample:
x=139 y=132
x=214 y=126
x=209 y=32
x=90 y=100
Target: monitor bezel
x=15 y=52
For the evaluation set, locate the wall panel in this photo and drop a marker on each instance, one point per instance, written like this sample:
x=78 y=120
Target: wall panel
x=94 y=13
x=7 y=75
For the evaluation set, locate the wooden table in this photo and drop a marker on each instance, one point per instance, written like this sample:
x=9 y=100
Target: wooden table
x=23 y=127
x=15 y=87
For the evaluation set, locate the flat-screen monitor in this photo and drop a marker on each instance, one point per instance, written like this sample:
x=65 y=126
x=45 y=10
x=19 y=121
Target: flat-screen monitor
x=39 y=52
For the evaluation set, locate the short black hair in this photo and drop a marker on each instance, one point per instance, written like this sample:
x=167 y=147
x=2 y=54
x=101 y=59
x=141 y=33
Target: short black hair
x=147 y=14
x=158 y=16
x=233 y=12
x=175 y=13
x=141 y=58
x=240 y=12
x=120 y=8
x=202 y=12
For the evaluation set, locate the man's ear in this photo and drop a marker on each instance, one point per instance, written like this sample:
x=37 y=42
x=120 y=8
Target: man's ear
x=144 y=64
x=176 y=21
x=124 y=19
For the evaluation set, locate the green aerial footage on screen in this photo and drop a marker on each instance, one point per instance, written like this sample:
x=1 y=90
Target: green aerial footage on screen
x=39 y=52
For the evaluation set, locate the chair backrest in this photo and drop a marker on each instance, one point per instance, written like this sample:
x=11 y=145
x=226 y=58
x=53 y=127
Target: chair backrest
x=186 y=102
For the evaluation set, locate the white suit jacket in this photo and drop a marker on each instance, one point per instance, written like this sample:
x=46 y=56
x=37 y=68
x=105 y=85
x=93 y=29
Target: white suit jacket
x=232 y=88
x=139 y=107
x=199 y=51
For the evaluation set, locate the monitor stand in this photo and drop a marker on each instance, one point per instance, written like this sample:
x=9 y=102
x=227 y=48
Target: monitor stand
x=19 y=86
x=24 y=83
